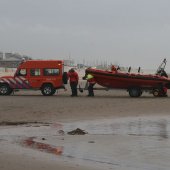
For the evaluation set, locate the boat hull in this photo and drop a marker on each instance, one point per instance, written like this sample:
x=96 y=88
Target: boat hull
x=127 y=80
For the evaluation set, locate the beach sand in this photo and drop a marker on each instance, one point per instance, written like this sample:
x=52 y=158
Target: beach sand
x=123 y=132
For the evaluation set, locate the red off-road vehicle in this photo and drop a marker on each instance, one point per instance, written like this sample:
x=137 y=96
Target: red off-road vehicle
x=44 y=75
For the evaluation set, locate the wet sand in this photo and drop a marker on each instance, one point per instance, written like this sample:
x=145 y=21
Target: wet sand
x=123 y=132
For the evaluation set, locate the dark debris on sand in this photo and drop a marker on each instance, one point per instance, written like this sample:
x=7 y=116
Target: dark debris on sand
x=77 y=132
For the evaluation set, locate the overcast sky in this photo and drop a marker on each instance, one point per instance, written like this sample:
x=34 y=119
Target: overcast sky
x=126 y=32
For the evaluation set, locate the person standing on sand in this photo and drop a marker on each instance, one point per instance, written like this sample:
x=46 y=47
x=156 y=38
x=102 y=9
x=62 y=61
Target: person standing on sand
x=74 y=78
x=90 y=79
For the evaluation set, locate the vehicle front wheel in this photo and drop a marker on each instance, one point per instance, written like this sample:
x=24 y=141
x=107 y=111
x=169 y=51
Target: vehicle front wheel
x=5 y=90
x=48 y=90
x=135 y=92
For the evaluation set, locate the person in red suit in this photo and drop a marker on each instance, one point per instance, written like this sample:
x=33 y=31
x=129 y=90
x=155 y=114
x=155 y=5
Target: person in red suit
x=74 y=78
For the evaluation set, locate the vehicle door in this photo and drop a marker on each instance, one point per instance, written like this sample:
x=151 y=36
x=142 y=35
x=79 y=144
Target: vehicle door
x=20 y=80
x=53 y=75
x=35 y=77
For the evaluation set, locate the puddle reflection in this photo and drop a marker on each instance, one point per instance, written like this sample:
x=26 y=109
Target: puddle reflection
x=29 y=142
x=109 y=142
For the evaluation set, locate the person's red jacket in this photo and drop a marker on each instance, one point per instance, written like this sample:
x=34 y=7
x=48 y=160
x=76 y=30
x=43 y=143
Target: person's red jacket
x=73 y=76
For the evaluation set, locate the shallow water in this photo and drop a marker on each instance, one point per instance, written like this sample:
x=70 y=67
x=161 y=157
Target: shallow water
x=153 y=126
x=122 y=143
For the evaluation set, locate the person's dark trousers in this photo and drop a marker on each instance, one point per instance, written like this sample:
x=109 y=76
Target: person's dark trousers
x=73 y=86
x=90 y=89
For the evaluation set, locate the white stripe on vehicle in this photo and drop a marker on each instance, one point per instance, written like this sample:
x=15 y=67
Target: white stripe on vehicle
x=1 y=81
x=22 y=78
x=20 y=81
x=11 y=79
x=5 y=80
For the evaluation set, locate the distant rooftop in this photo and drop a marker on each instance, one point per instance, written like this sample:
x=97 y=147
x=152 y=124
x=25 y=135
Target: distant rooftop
x=12 y=60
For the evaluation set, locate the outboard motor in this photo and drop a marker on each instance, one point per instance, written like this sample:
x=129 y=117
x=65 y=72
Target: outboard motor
x=161 y=69
x=162 y=73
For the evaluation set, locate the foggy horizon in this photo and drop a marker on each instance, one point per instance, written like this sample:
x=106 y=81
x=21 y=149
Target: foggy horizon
x=124 y=32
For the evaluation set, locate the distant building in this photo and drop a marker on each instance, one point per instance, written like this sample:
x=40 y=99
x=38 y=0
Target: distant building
x=1 y=56
x=80 y=65
x=11 y=60
x=69 y=62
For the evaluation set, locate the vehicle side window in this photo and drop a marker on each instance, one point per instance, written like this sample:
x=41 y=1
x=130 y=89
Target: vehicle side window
x=35 y=72
x=22 y=72
x=51 y=71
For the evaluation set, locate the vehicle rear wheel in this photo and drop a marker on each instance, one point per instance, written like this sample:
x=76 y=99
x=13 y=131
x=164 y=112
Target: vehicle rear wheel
x=135 y=92
x=5 y=90
x=48 y=90
x=65 y=78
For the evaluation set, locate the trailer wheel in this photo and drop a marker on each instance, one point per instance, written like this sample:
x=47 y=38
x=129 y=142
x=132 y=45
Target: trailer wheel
x=156 y=93
x=5 y=90
x=159 y=93
x=135 y=92
x=47 y=90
